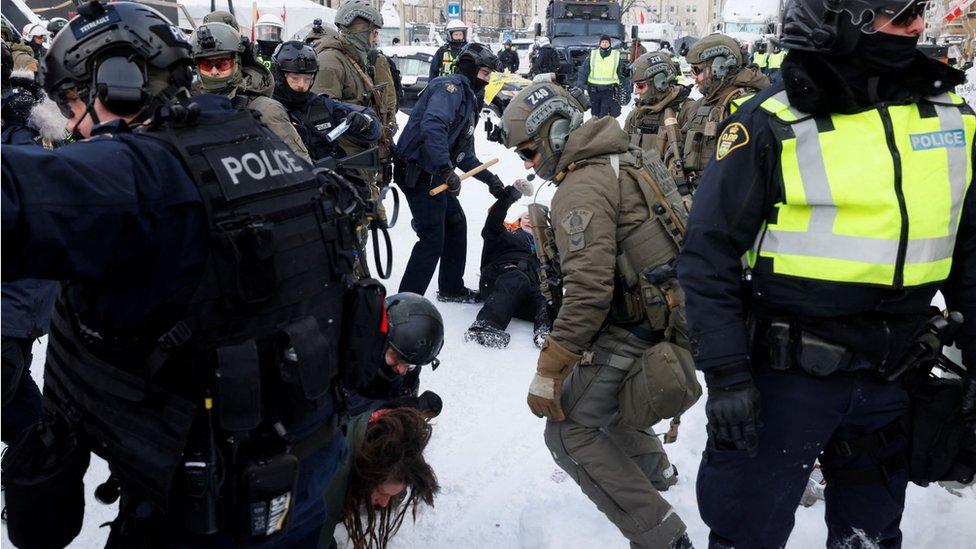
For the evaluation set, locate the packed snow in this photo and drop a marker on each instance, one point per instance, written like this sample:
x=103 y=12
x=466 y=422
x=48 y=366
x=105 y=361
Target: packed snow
x=499 y=486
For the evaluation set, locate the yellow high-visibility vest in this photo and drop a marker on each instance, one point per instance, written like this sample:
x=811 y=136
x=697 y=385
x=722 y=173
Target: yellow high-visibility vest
x=603 y=70
x=447 y=63
x=869 y=198
x=775 y=60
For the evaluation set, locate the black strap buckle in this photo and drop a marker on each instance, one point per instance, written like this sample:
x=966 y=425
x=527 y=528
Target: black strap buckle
x=177 y=336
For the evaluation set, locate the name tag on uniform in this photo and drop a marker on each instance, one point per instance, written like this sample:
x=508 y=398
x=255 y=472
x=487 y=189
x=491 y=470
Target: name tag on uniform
x=323 y=127
x=255 y=166
x=937 y=140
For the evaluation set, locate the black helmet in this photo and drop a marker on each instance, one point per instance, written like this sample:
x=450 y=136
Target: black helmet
x=480 y=55
x=416 y=327
x=296 y=56
x=834 y=26
x=124 y=53
x=55 y=25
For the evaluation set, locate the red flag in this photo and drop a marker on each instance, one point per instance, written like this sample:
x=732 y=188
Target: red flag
x=254 y=17
x=284 y=14
x=958 y=10
x=642 y=17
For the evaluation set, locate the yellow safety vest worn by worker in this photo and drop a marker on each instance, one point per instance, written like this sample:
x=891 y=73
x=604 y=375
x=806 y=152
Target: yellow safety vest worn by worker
x=447 y=63
x=869 y=198
x=603 y=70
x=762 y=60
x=775 y=60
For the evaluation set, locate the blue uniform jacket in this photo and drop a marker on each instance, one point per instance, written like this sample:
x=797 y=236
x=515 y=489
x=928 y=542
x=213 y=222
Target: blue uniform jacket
x=26 y=303
x=116 y=216
x=440 y=132
x=735 y=195
x=338 y=112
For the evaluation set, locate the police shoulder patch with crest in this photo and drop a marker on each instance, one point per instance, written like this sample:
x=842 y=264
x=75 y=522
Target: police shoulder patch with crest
x=575 y=223
x=734 y=135
x=451 y=88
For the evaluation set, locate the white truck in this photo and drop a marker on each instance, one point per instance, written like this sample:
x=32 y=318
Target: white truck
x=750 y=20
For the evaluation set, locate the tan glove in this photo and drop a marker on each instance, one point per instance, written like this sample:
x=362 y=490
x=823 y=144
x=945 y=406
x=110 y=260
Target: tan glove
x=555 y=364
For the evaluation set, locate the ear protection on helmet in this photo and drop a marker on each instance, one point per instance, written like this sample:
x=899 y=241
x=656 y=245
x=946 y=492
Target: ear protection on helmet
x=120 y=83
x=560 y=129
x=723 y=60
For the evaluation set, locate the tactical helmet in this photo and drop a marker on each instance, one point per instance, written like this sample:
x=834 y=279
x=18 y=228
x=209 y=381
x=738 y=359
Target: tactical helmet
x=654 y=68
x=269 y=28
x=295 y=56
x=221 y=16
x=834 y=26
x=456 y=25
x=718 y=50
x=480 y=55
x=212 y=39
x=761 y=46
x=35 y=29
x=416 y=327
x=7 y=31
x=542 y=41
x=351 y=9
x=543 y=113
x=55 y=25
x=125 y=53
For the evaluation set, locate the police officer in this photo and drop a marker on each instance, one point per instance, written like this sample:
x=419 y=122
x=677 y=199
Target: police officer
x=606 y=231
x=315 y=115
x=600 y=75
x=545 y=59
x=775 y=60
x=659 y=100
x=760 y=57
x=55 y=25
x=347 y=75
x=188 y=348
x=22 y=54
x=415 y=338
x=854 y=206
x=439 y=138
x=26 y=303
x=268 y=31
x=445 y=57
x=508 y=57
x=723 y=80
x=219 y=53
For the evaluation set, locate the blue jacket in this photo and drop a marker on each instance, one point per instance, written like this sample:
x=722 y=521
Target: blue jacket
x=26 y=303
x=116 y=215
x=440 y=132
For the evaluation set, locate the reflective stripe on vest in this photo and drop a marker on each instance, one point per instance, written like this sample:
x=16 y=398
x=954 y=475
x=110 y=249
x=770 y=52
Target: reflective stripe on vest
x=447 y=63
x=851 y=180
x=603 y=70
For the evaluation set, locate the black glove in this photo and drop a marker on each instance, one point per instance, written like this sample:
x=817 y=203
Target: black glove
x=359 y=122
x=448 y=176
x=732 y=408
x=512 y=193
x=495 y=186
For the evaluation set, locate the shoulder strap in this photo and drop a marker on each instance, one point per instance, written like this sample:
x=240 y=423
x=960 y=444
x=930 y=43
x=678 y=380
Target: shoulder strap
x=664 y=203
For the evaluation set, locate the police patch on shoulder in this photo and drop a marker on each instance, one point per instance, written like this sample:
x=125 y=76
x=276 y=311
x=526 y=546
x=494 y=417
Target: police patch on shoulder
x=451 y=88
x=734 y=136
x=576 y=221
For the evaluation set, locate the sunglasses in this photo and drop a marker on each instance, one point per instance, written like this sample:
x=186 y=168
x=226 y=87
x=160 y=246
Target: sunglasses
x=220 y=63
x=697 y=69
x=526 y=153
x=908 y=15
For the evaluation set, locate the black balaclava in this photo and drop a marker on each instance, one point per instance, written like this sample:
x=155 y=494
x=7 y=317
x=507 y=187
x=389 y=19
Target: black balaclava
x=287 y=96
x=886 y=54
x=467 y=69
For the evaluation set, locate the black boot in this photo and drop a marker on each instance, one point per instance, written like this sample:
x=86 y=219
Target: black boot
x=466 y=296
x=682 y=542
x=483 y=333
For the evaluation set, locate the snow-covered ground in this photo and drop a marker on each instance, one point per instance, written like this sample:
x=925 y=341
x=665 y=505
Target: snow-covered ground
x=500 y=486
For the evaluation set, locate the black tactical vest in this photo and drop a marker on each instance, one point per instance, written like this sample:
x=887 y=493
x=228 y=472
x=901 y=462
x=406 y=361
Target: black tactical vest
x=261 y=337
x=313 y=122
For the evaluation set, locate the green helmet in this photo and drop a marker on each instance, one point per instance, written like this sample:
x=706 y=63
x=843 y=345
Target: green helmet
x=543 y=113
x=212 y=39
x=720 y=51
x=351 y=9
x=221 y=16
x=656 y=69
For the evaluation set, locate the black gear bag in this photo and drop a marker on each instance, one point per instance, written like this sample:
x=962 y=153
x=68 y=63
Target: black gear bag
x=364 y=332
x=942 y=445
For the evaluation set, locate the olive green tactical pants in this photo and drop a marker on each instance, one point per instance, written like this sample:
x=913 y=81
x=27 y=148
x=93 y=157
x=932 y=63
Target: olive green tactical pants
x=618 y=467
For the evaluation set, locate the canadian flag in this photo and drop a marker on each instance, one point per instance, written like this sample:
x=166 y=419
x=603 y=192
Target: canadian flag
x=958 y=10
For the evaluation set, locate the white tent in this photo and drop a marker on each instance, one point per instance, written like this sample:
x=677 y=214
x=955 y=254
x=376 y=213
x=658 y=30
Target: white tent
x=297 y=14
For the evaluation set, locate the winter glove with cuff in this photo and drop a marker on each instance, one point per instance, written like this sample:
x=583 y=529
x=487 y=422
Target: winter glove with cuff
x=448 y=176
x=733 y=408
x=359 y=122
x=555 y=364
x=524 y=187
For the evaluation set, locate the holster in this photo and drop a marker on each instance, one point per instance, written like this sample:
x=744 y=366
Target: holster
x=788 y=346
x=406 y=173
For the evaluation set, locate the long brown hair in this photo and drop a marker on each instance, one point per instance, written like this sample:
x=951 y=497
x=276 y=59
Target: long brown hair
x=392 y=451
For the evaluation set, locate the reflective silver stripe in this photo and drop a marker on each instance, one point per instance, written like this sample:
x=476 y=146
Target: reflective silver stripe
x=927 y=250
x=831 y=246
x=783 y=97
x=813 y=174
x=950 y=118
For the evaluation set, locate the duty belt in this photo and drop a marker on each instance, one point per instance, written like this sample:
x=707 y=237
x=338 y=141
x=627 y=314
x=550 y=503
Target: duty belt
x=792 y=347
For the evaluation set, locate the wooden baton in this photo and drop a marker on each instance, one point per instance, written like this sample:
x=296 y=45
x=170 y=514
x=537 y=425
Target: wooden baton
x=443 y=187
